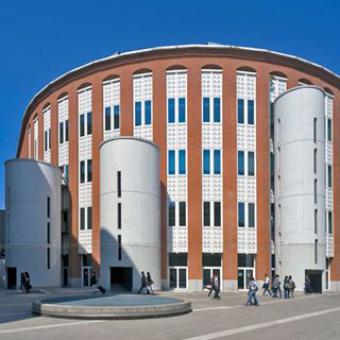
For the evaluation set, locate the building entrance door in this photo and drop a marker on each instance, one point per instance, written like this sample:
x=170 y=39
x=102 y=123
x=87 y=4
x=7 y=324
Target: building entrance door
x=121 y=278
x=243 y=277
x=178 y=277
x=315 y=277
x=87 y=273
x=11 y=277
x=208 y=273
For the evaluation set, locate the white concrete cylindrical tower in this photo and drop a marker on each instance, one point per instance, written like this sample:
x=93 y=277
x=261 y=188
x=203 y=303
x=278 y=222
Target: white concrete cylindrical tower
x=33 y=222
x=300 y=185
x=129 y=212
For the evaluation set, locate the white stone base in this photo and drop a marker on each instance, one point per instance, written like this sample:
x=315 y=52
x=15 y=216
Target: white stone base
x=195 y=285
x=229 y=286
x=334 y=286
x=165 y=284
x=74 y=282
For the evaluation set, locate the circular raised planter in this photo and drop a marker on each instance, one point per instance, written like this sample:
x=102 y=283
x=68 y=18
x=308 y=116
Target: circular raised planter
x=121 y=306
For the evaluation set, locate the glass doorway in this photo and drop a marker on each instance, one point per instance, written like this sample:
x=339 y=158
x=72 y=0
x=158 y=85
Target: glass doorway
x=243 y=276
x=178 y=277
x=209 y=272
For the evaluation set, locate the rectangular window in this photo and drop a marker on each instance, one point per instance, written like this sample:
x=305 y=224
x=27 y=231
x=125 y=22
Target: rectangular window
x=217 y=214
x=49 y=139
x=315 y=160
x=89 y=217
x=116 y=117
x=182 y=214
x=206 y=162
x=45 y=144
x=172 y=214
x=217 y=110
x=48 y=232
x=48 y=258
x=119 y=247
x=329 y=176
x=315 y=129
x=89 y=123
x=315 y=191
x=241 y=219
x=82 y=171
x=147 y=109
x=61 y=132
x=206 y=214
x=181 y=110
x=171 y=162
x=240 y=111
x=240 y=162
x=251 y=163
x=251 y=215
x=107 y=118
x=330 y=222
x=171 y=110
x=82 y=125
x=119 y=184
x=206 y=109
x=66 y=172
x=316 y=251
x=82 y=218
x=329 y=129
x=217 y=162
x=315 y=221
x=66 y=130
x=89 y=170
x=138 y=113
x=48 y=207
x=251 y=112
x=182 y=165
x=119 y=215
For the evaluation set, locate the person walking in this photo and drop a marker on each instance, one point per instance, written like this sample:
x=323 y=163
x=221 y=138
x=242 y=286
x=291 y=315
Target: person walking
x=216 y=286
x=150 y=282
x=144 y=283
x=27 y=284
x=22 y=281
x=286 y=287
x=266 y=285
x=292 y=286
x=307 y=285
x=253 y=288
x=276 y=287
x=210 y=286
x=93 y=282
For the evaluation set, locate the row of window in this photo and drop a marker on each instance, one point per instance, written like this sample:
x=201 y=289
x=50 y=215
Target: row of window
x=47 y=144
x=245 y=111
x=246 y=163
x=63 y=131
x=85 y=218
x=85 y=124
x=246 y=214
x=176 y=110
x=177 y=212
x=211 y=162
x=143 y=113
x=179 y=166
x=86 y=171
x=212 y=214
x=112 y=117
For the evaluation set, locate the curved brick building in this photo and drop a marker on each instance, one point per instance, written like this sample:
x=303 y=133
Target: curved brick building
x=209 y=109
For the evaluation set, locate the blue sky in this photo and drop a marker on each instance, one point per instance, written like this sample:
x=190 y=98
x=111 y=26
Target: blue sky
x=40 y=40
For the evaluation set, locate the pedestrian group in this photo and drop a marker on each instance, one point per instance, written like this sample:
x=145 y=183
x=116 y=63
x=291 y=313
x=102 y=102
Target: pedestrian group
x=146 y=283
x=25 y=282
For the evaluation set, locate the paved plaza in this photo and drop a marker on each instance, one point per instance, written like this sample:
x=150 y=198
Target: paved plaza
x=304 y=317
